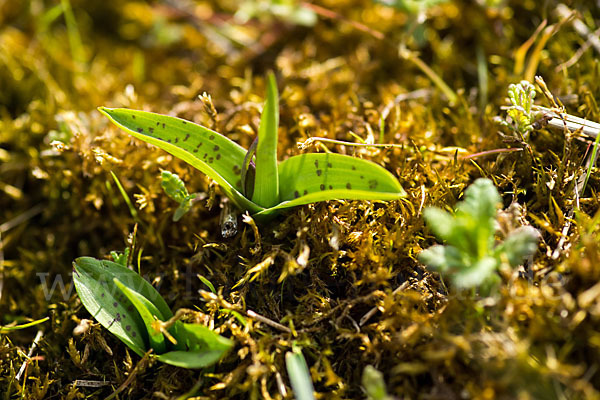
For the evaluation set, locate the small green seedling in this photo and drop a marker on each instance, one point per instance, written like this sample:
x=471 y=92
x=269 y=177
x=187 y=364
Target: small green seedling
x=132 y=310
x=253 y=179
x=120 y=258
x=471 y=257
x=175 y=189
x=521 y=111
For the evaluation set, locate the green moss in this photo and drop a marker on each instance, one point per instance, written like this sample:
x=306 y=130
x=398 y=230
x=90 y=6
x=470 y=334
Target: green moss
x=320 y=269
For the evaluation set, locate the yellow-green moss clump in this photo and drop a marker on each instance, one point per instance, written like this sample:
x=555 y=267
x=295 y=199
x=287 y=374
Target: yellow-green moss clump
x=341 y=278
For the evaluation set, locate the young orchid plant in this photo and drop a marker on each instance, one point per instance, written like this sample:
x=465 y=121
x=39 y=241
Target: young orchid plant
x=132 y=310
x=253 y=179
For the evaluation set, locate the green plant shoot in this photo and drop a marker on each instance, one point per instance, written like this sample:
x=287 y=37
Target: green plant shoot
x=521 y=111
x=272 y=186
x=299 y=374
x=130 y=308
x=470 y=257
x=176 y=190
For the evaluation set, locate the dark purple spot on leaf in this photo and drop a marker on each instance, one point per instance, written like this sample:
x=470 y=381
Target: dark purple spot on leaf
x=195 y=150
x=319 y=172
x=163 y=125
x=115 y=304
x=176 y=140
x=237 y=170
x=219 y=156
x=133 y=116
x=238 y=183
x=211 y=137
x=198 y=145
x=133 y=334
x=348 y=186
x=210 y=160
x=373 y=184
x=184 y=122
x=296 y=194
x=305 y=192
x=330 y=187
x=140 y=130
x=102 y=295
x=168 y=140
x=316 y=163
x=353 y=168
x=216 y=148
x=187 y=136
x=362 y=177
x=322 y=186
x=151 y=130
x=329 y=165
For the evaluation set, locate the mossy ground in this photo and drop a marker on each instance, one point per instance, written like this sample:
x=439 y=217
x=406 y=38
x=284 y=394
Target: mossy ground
x=320 y=268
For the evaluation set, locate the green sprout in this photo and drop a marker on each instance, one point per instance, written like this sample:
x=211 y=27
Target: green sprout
x=521 y=113
x=471 y=257
x=299 y=374
x=176 y=190
x=253 y=179
x=120 y=258
x=132 y=310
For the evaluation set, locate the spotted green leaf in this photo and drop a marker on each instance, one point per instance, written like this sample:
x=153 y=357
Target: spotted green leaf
x=309 y=178
x=107 y=304
x=127 y=305
x=147 y=312
x=204 y=149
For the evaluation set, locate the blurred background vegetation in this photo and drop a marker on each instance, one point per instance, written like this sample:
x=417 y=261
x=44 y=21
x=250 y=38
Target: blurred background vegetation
x=436 y=73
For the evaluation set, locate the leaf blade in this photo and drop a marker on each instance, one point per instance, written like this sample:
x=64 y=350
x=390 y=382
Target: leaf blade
x=308 y=178
x=299 y=375
x=99 y=295
x=190 y=359
x=196 y=337
x=266 y=181
x=147 y=311
x=206 y=150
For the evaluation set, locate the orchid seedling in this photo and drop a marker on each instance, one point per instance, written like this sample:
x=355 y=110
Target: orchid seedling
x=132 y=310
x=253 y=179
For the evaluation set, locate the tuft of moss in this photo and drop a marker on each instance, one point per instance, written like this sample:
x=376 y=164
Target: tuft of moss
x=343 y=278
